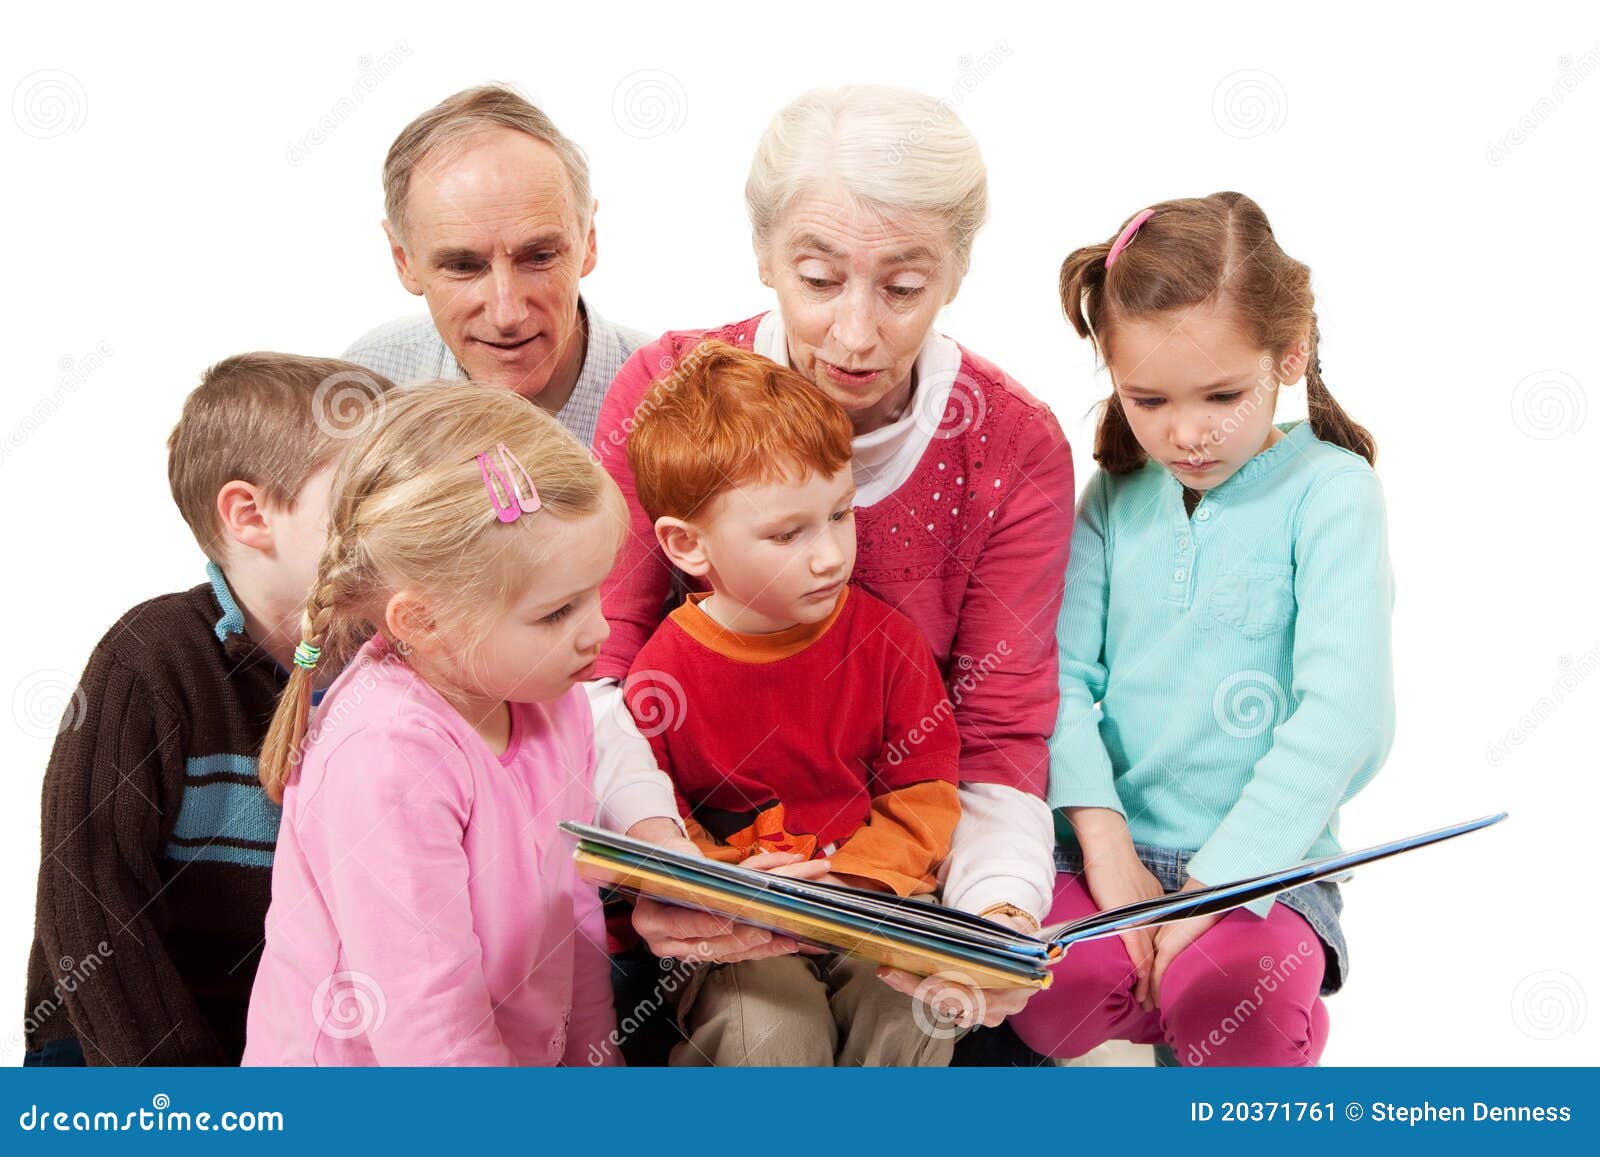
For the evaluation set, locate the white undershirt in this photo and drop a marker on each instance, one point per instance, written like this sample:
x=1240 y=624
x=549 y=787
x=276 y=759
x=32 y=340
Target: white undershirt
x=885 y=458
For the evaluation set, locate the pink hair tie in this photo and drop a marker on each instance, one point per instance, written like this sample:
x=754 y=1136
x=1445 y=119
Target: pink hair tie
x=1126 y=235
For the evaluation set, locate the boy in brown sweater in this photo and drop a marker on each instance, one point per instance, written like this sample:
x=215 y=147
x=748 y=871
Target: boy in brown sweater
x=156 y=837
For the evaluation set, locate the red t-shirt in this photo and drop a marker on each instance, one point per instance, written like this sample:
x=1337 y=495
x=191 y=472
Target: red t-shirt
x=833 y=738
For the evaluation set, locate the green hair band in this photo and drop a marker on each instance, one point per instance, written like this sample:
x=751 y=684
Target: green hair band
x=306 y=656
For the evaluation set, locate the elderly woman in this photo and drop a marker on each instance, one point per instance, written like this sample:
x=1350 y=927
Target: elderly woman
x=865 y=202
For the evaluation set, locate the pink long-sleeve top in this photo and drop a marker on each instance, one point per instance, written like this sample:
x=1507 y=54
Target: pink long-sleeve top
x=972 y=547
x=425 y=910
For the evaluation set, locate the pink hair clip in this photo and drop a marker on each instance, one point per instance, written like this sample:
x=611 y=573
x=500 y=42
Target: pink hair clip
x=1126 y=235
x=516 y=503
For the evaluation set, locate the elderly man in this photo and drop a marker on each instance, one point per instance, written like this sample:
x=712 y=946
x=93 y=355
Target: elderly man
x=490 y=219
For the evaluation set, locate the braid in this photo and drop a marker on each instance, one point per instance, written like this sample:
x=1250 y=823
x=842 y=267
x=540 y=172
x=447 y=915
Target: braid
x=325 y=623
x=1329 y=422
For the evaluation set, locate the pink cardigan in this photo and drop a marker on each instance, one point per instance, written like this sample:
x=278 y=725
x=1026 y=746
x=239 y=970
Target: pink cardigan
x=425 y=911
x=972 y=548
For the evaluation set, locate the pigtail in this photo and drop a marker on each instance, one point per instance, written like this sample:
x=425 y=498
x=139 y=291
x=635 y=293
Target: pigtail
x=328 y=634
x=1329 y=422
x=1083 y=272
x=1083 y=278
x=1115 y=448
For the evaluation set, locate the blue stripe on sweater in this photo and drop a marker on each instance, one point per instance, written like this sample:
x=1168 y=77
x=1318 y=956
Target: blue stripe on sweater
x=213 y=812
x=204 y=765
x=222 y=854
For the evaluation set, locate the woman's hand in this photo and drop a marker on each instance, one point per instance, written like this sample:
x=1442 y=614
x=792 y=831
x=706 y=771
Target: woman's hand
x=1171 y=939
x=708 y=938
x=865 y=883
x=964 y=1005
x=1114 y=876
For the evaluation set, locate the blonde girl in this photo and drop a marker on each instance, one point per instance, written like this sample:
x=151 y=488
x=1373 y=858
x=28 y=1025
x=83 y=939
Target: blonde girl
x=424 y=907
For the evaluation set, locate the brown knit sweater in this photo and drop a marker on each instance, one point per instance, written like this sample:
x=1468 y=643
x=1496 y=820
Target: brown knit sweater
x=156 y=859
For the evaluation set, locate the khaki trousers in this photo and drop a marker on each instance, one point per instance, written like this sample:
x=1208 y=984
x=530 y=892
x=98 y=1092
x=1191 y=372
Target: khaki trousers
x=804 y=1010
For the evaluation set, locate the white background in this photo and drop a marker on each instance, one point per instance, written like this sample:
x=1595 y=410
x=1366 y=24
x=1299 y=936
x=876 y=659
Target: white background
x=181 y=187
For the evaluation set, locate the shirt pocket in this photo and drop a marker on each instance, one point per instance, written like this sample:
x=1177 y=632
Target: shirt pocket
x=1255 y=598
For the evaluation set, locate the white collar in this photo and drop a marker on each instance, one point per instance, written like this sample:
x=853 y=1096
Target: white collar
x=884 y=459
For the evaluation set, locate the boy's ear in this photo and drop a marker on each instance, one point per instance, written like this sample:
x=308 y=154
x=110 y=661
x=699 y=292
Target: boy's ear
x=242 y=511
x=683 y=545
x=402 y=261
x=408 y=618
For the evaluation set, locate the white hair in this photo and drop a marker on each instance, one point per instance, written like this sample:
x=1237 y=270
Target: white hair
x=893 y=149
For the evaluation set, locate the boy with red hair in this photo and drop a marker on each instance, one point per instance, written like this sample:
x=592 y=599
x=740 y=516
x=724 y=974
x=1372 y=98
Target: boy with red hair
x=793 y=712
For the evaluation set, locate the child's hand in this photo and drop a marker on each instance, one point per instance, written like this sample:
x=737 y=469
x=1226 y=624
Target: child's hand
x=665 y=834
x=1171 y=939
x=791 y=864
x=862 y=882
x=1114 y=877
x=1126 y=881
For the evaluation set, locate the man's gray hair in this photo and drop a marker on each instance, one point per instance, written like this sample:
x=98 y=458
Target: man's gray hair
x=468 y=112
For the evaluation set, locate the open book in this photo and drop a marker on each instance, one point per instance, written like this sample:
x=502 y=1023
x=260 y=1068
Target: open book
x=917 y=936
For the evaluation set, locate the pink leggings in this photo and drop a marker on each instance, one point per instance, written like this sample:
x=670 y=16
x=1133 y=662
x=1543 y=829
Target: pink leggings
x=1244 y=993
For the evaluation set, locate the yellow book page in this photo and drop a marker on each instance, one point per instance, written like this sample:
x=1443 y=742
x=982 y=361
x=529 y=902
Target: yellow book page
x=921 y=961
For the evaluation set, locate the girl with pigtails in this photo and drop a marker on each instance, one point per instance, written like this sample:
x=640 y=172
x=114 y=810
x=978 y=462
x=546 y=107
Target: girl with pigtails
x=1225 y=669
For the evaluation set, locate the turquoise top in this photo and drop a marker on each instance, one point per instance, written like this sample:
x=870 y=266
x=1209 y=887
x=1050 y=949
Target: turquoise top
x=1226 y=680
